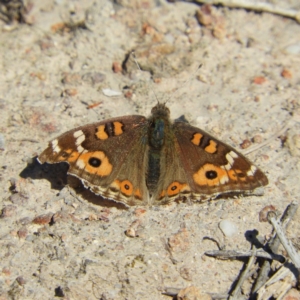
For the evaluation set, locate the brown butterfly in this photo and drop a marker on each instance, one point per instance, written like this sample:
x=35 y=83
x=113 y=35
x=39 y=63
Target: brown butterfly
x=150 y=161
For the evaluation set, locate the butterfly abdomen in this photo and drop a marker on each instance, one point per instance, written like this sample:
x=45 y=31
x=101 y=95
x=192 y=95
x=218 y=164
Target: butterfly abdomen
x=156 y=138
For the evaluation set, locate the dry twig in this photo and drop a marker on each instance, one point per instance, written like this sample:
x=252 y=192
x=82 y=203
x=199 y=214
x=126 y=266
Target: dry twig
x=172 y=292
x=256 y=6
x=263 y=281
x=273 y=246
x=236 y=293
x=285 y=276
x=288 y=246
x=232 y=254
x=269 y=140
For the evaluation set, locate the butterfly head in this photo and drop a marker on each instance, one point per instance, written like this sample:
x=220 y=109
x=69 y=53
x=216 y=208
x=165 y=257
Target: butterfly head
x=160 y=110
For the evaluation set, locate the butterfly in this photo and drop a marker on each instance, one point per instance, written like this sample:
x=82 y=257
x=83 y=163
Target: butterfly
x=136 y=160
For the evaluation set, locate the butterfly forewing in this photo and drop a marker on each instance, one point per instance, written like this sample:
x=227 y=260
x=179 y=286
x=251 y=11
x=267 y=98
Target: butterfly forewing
x=109 y=157
x=212 y=167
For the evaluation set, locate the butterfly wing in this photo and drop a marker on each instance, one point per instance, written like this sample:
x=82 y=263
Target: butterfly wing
x=109 y=157
x=200 y=167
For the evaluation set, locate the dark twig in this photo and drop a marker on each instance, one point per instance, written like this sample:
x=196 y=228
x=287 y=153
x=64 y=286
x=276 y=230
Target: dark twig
x=273 y=246
x=236 y=293
x=232 y=254
x=287 y=279
x=268 y=253
x=172 y=292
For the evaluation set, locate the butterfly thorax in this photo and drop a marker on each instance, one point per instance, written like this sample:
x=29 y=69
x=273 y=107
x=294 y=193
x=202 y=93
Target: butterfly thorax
x=159 y=123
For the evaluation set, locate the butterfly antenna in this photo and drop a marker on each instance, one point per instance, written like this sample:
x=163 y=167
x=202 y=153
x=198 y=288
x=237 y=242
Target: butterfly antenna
x=190 y=78
x=187 y=81
x=194 y=74
x=138 y=66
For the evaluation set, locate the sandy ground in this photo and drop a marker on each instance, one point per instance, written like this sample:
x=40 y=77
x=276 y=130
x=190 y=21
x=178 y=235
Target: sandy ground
x=54 y=240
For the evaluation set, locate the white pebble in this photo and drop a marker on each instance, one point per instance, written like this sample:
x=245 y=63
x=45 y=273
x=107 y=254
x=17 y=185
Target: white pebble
x=111 y=93
x=227 y=227
x=293 y=49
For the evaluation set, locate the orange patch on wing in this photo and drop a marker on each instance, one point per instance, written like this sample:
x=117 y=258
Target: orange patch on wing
x=162 y=194
x=174 y=189
x=196 y=139
x=138 y=194
x=125 y=187
x=104 y=168
x=212 y=147
x=236 y=175
x=200 y=177
x=68 y=155
x=118 y=128
x=101 y=134
x=73 y=157
x=64 y=155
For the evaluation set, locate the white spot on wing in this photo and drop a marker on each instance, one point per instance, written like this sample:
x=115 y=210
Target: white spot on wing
x=57 y=149
x=78 y=133
x=54 y=143
x=229 y=158
x=80 y=149
x=226 y=167
x=55 y=146
x=80 y=137
x=80 y=164
x=251 y=171
x=233 y=154
x=79 y=140
x=224 y=179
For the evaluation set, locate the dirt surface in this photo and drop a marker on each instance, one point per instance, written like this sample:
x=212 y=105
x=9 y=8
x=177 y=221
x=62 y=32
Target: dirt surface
x=54 y=241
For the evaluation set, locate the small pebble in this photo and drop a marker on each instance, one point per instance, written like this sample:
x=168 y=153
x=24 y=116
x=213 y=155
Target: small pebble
x=285 y=73
x=2 y=142
x=245 y=144
x=43 y=219
x=6 y=271
x=71 y=78
x=263 y=214
x=8 y=211
x=22 y=233
x=20 y=280
x=259 y=80
x=257 y=139
x=111 y=93
x=117 y=67
x=140 y=212
x=130 y=232
x=71 y=92
x=228 y=228
x=293 y=49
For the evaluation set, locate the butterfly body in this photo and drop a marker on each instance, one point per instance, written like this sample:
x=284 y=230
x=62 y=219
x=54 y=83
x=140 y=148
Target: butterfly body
x=150 y=161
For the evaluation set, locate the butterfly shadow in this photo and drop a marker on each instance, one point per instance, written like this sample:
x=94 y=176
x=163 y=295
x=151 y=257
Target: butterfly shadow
x=57 y=175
